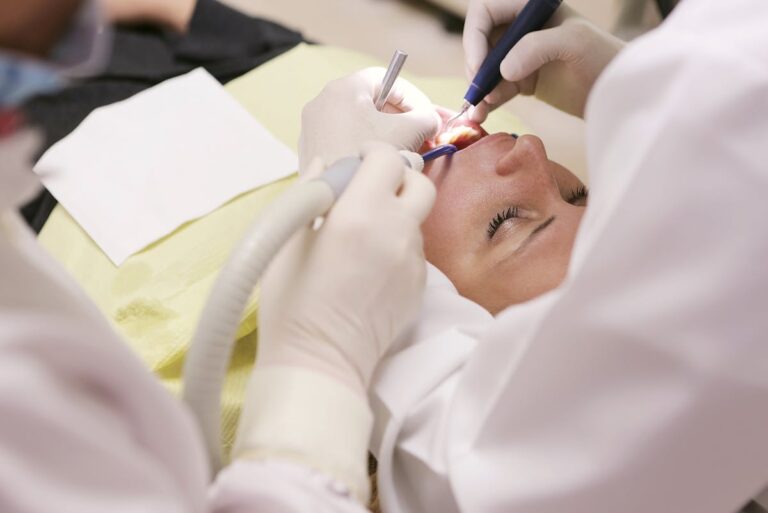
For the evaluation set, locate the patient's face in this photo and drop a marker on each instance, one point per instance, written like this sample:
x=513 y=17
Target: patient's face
x=504 y=221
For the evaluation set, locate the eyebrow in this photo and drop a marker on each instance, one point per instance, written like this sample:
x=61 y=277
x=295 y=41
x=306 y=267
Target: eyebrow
x=530 y=237
x=533 y=233
x=539 y=228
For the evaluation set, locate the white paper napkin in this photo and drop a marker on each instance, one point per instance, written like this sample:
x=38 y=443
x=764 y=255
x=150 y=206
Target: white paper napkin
x=136 y=170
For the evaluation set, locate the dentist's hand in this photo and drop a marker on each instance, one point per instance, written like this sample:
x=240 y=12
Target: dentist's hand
x=343 y=116
x=331 y=304
x=336 y=298
x=559 y=64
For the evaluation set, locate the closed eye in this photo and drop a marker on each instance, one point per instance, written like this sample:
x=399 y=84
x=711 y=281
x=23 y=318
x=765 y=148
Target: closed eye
x=578 y=194
x=501 y=218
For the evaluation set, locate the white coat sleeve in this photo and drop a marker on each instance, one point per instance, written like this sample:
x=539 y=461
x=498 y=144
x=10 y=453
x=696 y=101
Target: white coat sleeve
x=641 y=384
x=86 y=428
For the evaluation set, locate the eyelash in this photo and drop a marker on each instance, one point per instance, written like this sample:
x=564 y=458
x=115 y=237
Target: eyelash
x=501 y=217
x=579 y=193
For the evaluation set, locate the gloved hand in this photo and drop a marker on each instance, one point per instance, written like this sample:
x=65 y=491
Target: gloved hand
x=331 y=304
x=343 y=116
x=336 y=298
x=559 y=64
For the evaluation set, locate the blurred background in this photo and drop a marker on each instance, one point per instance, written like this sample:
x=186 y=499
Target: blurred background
x=430 y=31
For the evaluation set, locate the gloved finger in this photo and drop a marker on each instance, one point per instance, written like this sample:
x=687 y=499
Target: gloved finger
x=477 y=29
x=405 y=96
x=380 y=173
x=532 y=52
x=408 y=110
x=482 y=18
x=409 y=130
x=313 y=170
x=480 y=113
x=503 y=92
x=369 y=80
x=417 y=109
x=417 y=194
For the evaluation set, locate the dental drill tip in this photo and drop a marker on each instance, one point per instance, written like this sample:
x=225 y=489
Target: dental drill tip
x=464 y=108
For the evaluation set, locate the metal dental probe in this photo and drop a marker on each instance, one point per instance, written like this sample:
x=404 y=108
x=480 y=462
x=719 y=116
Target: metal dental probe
x=393 y=71
x=533 y=17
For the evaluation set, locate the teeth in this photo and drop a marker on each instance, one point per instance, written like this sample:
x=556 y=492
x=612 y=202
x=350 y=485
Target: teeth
x=456 y=134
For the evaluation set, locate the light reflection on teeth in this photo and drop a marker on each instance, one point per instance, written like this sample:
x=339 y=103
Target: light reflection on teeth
x=462 y=133
x=460 y=136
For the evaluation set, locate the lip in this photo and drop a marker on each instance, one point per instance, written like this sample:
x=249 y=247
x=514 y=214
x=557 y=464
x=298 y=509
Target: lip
x=498 y=138
x=463 y=134
x=438 y=169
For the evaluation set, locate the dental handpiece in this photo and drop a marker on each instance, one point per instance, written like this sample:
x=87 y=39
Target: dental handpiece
x=211 y=348
x=532 y=18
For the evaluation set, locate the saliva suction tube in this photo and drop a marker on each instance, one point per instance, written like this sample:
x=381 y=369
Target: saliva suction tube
x=211 y=348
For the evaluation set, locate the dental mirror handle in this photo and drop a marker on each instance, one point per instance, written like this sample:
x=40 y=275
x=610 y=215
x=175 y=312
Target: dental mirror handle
x=532 y=18
x=393 y=71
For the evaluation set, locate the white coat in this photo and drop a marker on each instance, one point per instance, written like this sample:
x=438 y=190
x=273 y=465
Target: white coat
x=84 y=426
x=641 y=384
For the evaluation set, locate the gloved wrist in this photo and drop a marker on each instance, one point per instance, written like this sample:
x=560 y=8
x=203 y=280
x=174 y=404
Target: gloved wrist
x=299 y=415
x=317 y=356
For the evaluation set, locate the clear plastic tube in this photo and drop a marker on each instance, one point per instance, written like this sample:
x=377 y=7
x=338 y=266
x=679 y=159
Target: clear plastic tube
x=209 y=353
x=211 y=349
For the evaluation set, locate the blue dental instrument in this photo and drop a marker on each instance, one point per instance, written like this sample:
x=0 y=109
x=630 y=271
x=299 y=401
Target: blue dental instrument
x=533 y=17
x=440 y=151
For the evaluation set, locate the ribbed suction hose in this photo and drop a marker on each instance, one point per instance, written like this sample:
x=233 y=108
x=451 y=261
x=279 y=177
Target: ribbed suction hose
x=211 y=348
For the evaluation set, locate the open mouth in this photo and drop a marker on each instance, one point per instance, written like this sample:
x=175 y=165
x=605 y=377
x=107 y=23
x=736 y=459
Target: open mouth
x=463 y=133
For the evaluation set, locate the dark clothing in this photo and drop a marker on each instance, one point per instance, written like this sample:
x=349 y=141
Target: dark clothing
x=220 y=39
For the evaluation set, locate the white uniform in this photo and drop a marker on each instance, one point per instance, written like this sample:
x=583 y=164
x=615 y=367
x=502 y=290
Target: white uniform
x=641 y=384
x=84 y=426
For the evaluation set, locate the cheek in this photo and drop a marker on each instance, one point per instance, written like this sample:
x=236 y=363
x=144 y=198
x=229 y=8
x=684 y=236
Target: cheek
x=439 y=241
x=566 y=181
x=448 y=230
x=512 y=284
x=526 y=277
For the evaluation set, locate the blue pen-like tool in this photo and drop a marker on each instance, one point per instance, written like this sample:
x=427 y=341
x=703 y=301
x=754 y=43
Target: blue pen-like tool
x=440 y=151
x=533 y=17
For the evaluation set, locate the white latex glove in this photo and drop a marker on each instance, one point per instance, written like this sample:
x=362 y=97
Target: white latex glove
x=558 y=64
x=335 y=299
x=331 y=304
x=342 y=117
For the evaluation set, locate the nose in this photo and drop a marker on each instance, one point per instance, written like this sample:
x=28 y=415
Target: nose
x=526 y=172
x=528 y=153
